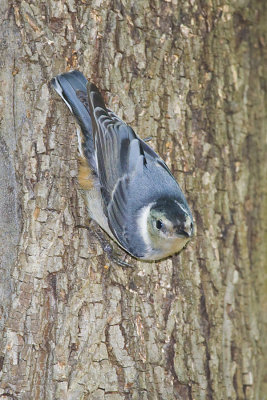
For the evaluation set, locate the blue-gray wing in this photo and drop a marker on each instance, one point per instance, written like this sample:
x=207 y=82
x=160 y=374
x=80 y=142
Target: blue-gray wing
x=119 y=156
x=123 y=161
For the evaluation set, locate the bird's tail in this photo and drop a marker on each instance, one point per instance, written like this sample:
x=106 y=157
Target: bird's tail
x=71 y=87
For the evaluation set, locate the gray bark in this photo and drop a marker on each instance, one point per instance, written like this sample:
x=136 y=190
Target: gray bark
x=192 y=74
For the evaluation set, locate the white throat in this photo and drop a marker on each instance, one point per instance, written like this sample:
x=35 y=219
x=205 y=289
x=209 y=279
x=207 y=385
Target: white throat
x=164 y=246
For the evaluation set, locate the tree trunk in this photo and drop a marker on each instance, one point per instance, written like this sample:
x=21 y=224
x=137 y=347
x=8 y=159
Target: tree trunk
x=191 y=74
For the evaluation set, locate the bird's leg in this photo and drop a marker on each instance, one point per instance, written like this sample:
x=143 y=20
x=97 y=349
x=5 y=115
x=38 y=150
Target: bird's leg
x=107 y=247
x=109 y=250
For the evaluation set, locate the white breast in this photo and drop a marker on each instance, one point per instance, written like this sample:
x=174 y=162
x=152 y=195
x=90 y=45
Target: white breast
x=94 y=200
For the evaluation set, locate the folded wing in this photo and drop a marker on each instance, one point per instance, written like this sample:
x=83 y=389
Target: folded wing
x=119 y=154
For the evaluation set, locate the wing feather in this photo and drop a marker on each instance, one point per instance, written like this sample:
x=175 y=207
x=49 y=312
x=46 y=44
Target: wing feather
x=121 y=156
x=117 y=152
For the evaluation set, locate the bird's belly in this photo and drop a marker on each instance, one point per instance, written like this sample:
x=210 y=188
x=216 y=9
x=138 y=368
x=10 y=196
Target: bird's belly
x=94 y=204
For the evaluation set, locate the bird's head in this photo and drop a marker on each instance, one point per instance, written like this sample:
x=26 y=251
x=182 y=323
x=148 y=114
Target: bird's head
x=166 y=226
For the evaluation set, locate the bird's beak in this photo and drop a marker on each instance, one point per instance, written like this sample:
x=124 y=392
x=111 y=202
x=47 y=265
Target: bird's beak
x=186 y=229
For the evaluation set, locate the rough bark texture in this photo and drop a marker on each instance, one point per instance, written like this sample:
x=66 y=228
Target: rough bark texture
x=192 y=74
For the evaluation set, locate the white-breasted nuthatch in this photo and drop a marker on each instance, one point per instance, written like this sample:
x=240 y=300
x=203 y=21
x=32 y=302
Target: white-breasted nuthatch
x=129 y=190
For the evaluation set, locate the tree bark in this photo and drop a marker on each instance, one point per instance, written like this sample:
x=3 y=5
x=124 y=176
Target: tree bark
x=192 y=75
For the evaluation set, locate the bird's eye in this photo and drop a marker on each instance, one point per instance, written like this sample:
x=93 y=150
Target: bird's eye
x=159 y=224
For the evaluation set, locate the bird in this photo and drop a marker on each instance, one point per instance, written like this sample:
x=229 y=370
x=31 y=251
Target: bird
x=128 y=189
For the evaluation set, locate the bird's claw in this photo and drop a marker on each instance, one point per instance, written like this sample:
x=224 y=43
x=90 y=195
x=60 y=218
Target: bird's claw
x=108 y=249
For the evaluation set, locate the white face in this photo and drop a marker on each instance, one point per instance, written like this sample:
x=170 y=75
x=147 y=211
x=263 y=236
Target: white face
x=160 y=235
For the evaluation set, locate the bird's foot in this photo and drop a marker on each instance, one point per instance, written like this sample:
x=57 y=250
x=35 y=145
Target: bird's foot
x=107 y=247
x=148 y=139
